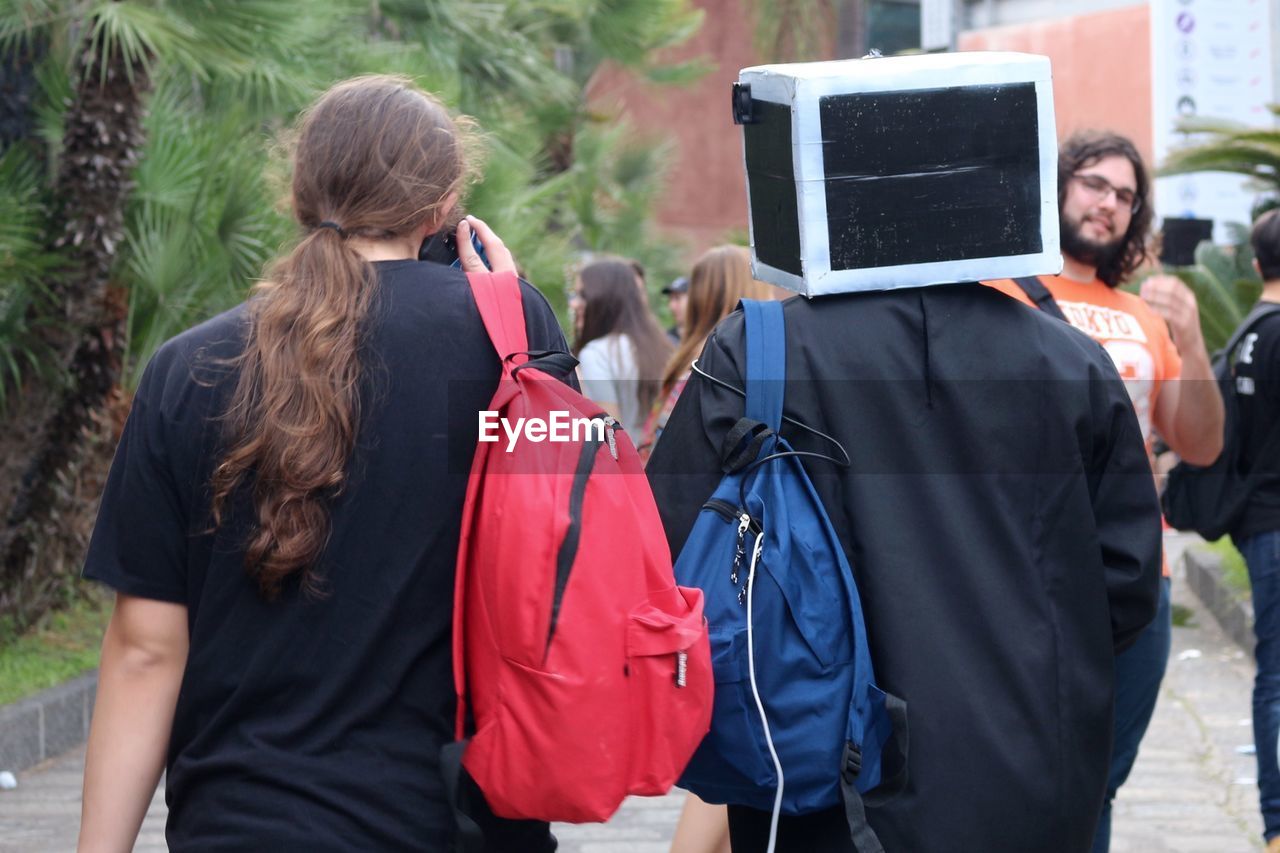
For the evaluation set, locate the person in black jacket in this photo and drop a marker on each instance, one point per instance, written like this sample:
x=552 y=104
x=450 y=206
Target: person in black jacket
x=1002 y=525
x=1257 y=534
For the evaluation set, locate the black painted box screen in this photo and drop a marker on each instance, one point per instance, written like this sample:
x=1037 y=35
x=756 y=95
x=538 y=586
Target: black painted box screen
x=928 y=175
x=771 y=176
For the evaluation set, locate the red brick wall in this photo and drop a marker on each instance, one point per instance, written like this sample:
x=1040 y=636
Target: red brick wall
x=1101 y=68
x=1101 y=78
x=706 y=193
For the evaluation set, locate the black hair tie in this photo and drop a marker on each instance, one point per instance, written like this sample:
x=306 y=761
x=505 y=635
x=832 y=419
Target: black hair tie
x=335 y=226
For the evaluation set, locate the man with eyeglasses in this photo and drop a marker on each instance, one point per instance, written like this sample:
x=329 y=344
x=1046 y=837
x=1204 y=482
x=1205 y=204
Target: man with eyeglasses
x=1105 y=216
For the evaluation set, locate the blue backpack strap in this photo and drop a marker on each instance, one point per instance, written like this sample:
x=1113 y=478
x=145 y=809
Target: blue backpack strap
x=766 y=361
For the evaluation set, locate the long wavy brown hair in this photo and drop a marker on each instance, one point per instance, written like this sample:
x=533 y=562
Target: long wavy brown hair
x=615 y=304
x=375 y=158
x=719 y=279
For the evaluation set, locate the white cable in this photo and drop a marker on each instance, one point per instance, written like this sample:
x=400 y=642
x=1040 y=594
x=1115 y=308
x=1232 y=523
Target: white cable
x=755 y=693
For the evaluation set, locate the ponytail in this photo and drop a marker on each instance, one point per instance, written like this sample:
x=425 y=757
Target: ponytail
x=296 y=405
x=375 y=159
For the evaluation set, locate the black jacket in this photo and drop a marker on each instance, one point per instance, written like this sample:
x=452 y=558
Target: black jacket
x=1000 y=516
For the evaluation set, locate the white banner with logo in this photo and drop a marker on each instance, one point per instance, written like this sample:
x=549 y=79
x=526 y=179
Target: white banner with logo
x=937 y=24
x=1210 y=58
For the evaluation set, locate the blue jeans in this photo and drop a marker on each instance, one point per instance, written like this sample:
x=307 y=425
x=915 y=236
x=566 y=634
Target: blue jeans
x=1139 y=671
x=1262 y=554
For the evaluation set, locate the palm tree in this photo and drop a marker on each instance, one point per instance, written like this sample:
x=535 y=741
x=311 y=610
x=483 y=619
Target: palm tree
x=137 y=202
x=1228 y=146
x=1223 y=278
x=110 y=52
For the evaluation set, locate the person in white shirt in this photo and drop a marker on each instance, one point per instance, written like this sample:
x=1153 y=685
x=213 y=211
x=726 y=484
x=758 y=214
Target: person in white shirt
x=620 y=347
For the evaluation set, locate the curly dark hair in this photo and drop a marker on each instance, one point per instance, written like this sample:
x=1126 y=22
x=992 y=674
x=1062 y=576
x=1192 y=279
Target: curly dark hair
x=1086 y=148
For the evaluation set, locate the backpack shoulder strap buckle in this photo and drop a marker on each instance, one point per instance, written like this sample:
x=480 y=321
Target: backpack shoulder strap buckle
x=850 y=762
x=742 y=444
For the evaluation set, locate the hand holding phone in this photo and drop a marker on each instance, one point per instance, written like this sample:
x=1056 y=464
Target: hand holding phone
x=479 y=247
x=442 y=248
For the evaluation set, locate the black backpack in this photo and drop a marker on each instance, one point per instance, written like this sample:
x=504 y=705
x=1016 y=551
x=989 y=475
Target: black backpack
x=1211 y=500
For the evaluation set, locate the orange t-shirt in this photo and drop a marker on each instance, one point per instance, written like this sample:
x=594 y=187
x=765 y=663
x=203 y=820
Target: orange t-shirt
x=1136 y=337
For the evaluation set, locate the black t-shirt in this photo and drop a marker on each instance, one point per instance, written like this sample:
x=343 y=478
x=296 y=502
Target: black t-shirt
x=1257 y=372
x=314 y=723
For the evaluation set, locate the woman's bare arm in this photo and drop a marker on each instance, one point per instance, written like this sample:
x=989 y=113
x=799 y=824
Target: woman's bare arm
x=144 y=654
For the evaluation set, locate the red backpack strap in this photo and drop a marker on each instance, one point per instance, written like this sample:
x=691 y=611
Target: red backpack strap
x=502 y=310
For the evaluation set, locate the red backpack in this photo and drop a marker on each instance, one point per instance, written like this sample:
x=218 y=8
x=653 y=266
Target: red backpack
x=586 y=670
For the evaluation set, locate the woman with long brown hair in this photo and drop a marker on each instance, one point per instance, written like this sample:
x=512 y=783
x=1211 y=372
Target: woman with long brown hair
x=282 y=518
x=619 y=344
x=720 y=278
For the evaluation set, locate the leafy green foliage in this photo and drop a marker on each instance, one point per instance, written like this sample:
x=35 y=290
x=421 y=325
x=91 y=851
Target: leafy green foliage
x=65 y=644
x=1227 y=146
x=200 y=224
x=221 y=80
x=228 y=77
x=1182 y=616
x=1223 y=278
x=1234 y=570
x=24 y=265
x=1225 y=284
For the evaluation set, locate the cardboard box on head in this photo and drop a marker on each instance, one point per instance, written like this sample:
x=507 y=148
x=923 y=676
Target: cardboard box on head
x=886 y=172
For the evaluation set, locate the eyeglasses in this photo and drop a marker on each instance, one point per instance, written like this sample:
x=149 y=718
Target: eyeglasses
x=1099 y=186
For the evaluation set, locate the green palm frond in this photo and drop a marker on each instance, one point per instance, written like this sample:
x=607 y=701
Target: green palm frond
x=25 y=268
x=629 y=31
x=266 y=56
x=1249 y=155
x=259 y=45
x=1225 y=146
x=171 y=171
x=1208 y=124
x=526 y=211
x=138 y=33
x=53 y=80
x=501 y=60
x=680 y=73
x=22 y=209
x=201 y=220
x=200 y=224
x=617 y=177
x=24 y=22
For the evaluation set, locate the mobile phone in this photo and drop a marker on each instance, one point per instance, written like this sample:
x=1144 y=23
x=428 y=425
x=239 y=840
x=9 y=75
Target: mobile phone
x=1181 y=236
x=442 y=248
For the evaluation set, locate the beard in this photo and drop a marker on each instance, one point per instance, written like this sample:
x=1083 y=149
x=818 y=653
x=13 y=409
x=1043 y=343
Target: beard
x=1095 y=253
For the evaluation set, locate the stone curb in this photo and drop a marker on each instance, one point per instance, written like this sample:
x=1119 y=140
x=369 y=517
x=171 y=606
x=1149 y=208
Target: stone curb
x=47 y=724
x=1233 y=610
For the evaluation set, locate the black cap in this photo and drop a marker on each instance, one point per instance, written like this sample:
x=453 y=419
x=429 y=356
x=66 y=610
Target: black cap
x=680 y=285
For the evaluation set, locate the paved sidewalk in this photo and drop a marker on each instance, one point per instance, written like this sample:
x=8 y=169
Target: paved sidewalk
x=43 y=815
x=1191 y=791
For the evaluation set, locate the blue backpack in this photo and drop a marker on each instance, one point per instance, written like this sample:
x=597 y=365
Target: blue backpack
x=799 y=724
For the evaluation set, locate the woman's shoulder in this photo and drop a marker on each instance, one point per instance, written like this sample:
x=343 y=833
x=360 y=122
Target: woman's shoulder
x=615 y=348
x=598 y=345
x=206 y=350
x=188 y=377
x=443 y=293
x=612 y=342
